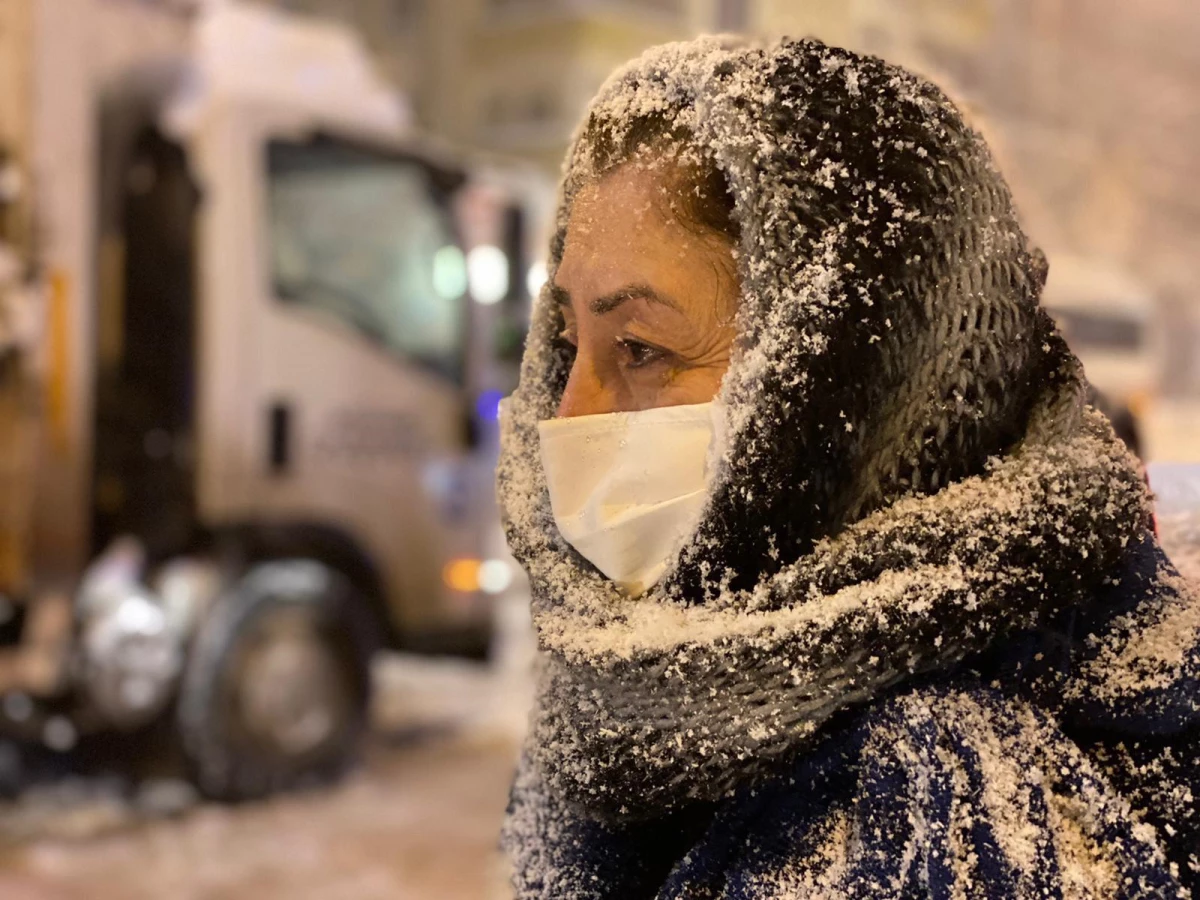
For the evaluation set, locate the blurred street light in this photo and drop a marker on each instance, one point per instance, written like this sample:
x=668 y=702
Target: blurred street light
x=449 y=273
x=487 y=274
x=535 y=278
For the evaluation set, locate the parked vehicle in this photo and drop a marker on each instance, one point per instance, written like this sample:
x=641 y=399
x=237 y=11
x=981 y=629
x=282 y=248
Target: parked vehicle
x=262 y=423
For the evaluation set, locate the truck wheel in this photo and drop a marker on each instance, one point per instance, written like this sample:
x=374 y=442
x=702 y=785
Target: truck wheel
x=277 y=686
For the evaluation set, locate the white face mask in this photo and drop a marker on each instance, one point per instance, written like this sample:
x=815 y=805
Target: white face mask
x=628 y=488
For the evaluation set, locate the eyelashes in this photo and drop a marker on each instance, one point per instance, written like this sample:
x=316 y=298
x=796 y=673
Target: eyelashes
x=628 y=353
x=639 y=354
x=632 y=353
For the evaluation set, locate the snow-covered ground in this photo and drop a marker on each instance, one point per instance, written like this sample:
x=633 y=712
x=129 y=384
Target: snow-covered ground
x=418 y=820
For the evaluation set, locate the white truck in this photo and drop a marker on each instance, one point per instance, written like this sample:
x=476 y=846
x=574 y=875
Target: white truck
x=251 y=440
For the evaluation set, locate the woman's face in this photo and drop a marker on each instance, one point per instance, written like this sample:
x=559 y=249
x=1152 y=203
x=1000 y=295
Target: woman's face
x=647 y=302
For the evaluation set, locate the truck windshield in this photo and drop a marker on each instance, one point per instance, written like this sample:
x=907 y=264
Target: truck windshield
x=367 y=239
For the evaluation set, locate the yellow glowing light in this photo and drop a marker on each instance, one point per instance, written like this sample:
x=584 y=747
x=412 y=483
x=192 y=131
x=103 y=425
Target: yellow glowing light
x=1139 y=402
x=462 y=575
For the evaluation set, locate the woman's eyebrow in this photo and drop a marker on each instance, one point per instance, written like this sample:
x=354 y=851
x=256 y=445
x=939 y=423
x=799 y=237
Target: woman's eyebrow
x=610 y=301
x=561 y=296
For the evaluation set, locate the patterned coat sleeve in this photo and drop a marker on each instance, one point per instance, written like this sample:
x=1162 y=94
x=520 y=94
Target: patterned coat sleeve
x=936 y=794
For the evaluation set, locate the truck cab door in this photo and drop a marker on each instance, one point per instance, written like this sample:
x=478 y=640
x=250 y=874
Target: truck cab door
x=351 y=385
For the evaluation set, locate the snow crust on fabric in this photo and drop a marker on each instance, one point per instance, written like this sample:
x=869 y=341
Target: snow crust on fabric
x=960 y=790
x=910 y=480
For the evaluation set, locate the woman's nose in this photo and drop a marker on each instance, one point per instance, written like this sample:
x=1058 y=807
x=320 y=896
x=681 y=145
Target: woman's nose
x=585 y=393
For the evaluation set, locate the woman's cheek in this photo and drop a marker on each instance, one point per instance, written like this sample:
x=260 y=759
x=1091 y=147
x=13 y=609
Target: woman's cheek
x=686 y=386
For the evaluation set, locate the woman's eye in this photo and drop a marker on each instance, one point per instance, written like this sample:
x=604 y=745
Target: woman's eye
x=638 y=354
x=568 y=326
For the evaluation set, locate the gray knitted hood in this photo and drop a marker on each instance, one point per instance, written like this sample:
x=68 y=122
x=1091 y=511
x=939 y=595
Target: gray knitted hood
x=909 y=471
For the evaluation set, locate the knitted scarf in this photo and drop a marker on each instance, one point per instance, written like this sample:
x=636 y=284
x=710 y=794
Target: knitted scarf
x=908 y=470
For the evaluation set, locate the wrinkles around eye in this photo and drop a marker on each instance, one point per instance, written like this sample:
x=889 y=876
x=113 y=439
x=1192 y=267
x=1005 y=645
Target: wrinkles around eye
x=639 y=354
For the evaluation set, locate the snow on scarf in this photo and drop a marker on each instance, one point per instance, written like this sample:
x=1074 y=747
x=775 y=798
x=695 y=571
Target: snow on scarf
x=908 y=472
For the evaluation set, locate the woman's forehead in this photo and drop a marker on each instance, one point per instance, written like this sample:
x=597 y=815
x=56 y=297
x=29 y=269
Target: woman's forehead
x=634 y=195
x=622 y=218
